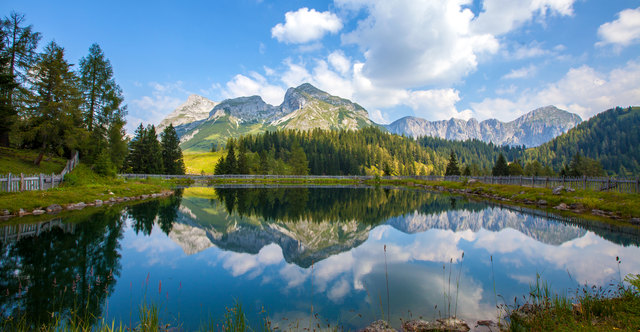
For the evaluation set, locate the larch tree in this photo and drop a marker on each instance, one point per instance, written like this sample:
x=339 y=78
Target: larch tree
x=20 y=50
x=54 y=120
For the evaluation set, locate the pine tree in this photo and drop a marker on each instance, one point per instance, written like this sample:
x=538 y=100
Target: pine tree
x=102 y=107
x=298 y=160
x=171 y=152
x=8 y=114
x=452 y=166
x=231 y=164
x=20 y=50
x=501 y=168
x=136 y=154
x=54 y=121
x=243 y=164
x=152 y=152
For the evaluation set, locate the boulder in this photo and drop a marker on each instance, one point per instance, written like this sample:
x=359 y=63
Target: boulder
x=21 y=212
x=54 y=208
x=38 y=212
x=472 y=181
x=379 y=326
x=542 y=202
x=558 y=190
x=635 y=221
x=445 y=324
x=6 y=212
x=98 y=202
x=562 y=207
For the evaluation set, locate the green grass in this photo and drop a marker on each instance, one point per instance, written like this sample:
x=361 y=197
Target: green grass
x=198 y=163
x=81 y=185
x=21 y=161
x=592 y=309
x=625 y=205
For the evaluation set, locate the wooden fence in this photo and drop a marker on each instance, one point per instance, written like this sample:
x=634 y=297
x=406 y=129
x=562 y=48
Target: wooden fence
x=22 y=182
x=620 y=185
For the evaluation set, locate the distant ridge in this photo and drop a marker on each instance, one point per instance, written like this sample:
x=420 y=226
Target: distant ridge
x=201 y=122
x=532 y=129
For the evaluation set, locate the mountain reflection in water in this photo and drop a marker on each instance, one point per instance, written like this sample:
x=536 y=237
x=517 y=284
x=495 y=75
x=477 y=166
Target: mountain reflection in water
x=286 y=249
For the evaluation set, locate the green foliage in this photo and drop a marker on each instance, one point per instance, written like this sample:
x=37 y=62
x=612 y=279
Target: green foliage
x=515 y=168
x=18 y=44
x=611 y=138
x=53 y=122
x=452 y=166
x=501 y=168
x=103 y=165
x=480 y=156
x=145 y=152
x=172 y=160
x=582 y=166
x=102 y=109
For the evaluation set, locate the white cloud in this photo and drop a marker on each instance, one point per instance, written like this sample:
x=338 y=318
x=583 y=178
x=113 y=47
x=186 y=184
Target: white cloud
x=622 y=32
x=582 y=90
x=339 y=62
x=438 y=104
x=378 y=116
x=524 y=72
x=241 y=86
x=410 y=43
x=151 y=109
x=501 y=16
x=306 y=25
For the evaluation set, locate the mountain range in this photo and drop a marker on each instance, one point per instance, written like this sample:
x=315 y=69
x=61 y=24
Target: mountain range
x=201 y=122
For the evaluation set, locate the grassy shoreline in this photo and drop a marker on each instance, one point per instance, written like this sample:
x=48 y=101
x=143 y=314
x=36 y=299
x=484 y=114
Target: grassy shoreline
x=85 y=186
x=82 y=185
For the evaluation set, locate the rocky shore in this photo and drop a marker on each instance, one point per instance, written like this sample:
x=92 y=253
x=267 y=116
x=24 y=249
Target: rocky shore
x=57 y=208
x=577 y=208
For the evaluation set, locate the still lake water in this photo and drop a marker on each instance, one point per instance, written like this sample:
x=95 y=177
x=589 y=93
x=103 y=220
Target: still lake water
x=289 y=252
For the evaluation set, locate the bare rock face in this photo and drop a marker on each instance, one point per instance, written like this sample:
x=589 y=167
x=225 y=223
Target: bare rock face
x=195 y=109
x=532 y=129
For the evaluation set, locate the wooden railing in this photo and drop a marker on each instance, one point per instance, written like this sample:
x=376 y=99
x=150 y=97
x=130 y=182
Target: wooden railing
x=23 y=182
x=620 y=185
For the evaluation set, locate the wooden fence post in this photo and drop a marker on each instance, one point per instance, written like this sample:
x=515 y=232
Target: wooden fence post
x=40 y=182
x=21 y=182
x=53 y=179
x=9 y=183
x=584 y=182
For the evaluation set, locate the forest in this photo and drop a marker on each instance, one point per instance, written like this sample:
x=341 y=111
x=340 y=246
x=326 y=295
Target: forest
x=49 y=106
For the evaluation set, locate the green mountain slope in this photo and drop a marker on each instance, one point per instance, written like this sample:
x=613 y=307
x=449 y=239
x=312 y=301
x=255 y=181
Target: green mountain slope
x=303 y=108
x=611 y=137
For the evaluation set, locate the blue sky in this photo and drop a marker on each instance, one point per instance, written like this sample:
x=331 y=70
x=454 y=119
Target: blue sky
x=431 y=59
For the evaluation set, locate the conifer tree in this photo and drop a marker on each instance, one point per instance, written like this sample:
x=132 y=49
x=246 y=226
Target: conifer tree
x=452 y=166
x=171 y=152
x=243 y=166
x=231 y=164
x=152 y=152
x=20 y=49
x=8 y=114
x=501 y=168
x=102 y=107
x=298 y=160
x=135 y=155
x=54 y=121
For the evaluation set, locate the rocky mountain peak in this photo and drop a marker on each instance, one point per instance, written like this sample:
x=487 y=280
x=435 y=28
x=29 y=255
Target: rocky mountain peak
x=196 y=108
x=531 y=129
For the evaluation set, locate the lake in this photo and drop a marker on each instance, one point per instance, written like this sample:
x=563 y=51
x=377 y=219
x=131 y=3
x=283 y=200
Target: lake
x=302 y=256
